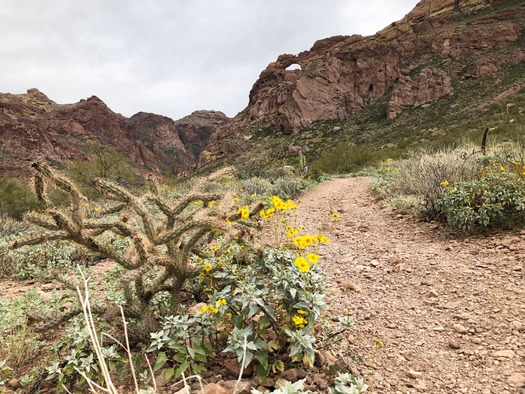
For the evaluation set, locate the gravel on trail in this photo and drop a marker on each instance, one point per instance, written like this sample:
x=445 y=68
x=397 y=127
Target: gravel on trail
x=448 y=308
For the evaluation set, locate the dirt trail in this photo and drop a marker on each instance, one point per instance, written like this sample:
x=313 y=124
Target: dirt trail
x=450 y=310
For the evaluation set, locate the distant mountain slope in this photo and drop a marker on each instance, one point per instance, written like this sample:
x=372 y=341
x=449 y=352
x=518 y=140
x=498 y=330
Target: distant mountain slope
x=33 y=127
x=427 y=57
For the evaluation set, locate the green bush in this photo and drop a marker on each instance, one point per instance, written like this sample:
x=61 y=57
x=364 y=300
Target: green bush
x=461 y=186
x=420 y=176
x=496 y=199
x=289 y=187
x=16 y=197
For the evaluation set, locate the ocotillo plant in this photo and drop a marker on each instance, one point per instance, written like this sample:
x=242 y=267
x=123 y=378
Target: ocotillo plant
x=164 y=238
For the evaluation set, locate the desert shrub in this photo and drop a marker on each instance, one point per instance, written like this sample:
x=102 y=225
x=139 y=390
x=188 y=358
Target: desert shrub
x=262 y=301
x=460 y=186
x=347 y=158
x=289 y=187
x=421 y=176
x=16 y=197
x=495 y=198
x=40 y=262
x=259 y=304
x=104 y=162
x=256 y=185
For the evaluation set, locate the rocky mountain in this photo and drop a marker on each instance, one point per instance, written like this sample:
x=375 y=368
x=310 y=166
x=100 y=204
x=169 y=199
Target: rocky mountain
x=414 y=62
x=34 y=127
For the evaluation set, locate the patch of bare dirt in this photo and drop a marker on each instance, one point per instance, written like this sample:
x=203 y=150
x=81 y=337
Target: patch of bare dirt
x=450 y=310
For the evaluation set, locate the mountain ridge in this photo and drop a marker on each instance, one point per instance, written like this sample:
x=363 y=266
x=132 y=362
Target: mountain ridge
x=34 y=127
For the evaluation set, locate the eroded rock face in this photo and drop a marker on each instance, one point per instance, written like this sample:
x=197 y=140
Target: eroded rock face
x=407 y=64
x=33 y=127
x=430 y=85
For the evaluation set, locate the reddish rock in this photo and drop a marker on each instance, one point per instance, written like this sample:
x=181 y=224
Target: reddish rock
x=33 y=127
x=408 y=63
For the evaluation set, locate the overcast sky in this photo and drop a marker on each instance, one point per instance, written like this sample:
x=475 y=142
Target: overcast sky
x=169 y=57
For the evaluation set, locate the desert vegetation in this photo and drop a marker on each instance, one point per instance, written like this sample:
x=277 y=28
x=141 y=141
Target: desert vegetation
x=192 y=279
x=468 y=188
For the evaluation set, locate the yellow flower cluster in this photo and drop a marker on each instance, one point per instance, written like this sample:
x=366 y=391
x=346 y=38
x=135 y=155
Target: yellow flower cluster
x=312 y=258
x=244 y=212
x=301 y=263
x=302 y=242
x=334 y=215
x=300 y=321
x=322 y=239
x=210 y=310
x=220 y=302
x=267 y=214
x=281 y=205
x=292 y=232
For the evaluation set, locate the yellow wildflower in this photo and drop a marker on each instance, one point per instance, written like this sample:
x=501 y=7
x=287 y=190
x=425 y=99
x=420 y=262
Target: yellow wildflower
x=335 y=216
x=322 y=239
x=300 y=321
x=303 y=242
x=210 y=203
x=302 y=264
x=292 y=232
x=208 y=267
x=445 y=183
x=452 y=191
x=212 y=310
x=301 y=312
x=267 y=214
x=244 y=212
x=379 y=343
x=220 y=302
x=312 y=258
x=204 y=309
x=228 y=222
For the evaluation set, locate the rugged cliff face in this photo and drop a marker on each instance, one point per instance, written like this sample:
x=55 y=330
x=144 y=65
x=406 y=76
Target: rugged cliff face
x=412 y=62
x=33 y=127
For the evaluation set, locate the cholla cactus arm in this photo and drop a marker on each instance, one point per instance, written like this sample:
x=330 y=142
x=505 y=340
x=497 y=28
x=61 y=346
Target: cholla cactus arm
x=40 y=220
x=123 y=195
x=56 y=322
x=40 y=238
x=205 y=198
x=188 y=246
x=113 y=210
x=174 y=235
x=64 y=184
x=40 y=190
x=115 y=226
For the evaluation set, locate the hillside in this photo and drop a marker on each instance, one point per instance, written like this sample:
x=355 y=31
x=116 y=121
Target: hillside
x=441 y=74
x=34 y=127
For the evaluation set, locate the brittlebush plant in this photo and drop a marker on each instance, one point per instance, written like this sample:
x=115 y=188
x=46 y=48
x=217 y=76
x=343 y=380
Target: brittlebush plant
x=263 y=305
x=496 y=198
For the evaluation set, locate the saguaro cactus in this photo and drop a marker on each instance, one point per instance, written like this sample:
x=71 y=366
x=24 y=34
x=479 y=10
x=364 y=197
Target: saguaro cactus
x=163 y=237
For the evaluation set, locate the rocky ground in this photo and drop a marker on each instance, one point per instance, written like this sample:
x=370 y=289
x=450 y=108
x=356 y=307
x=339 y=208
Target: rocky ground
x=449 y=309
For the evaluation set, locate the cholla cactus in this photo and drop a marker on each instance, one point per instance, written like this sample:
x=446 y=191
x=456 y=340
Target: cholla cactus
x=163 y=237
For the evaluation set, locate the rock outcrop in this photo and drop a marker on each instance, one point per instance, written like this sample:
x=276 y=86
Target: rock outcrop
x=412 y=62
x=429 y=85
x=33 y=127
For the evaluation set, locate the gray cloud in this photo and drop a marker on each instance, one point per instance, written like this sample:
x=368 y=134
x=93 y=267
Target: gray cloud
x=167 y=56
